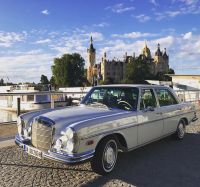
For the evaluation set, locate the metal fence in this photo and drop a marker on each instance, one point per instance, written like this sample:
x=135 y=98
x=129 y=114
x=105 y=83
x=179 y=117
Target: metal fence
x=188 y=95
x=12 y=104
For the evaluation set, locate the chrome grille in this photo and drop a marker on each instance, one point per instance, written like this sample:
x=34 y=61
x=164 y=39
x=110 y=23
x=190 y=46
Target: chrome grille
x=42 y=134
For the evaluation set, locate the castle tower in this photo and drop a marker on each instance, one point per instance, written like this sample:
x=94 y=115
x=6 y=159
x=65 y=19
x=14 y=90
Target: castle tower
x=104 y=67
x=161 y=61
x=91 y=53
x=91 y=59
x=166 y=61
x=146 y=52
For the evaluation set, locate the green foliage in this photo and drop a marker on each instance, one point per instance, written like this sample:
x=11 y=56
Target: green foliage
x=161 y=76
x=171 y=71
x=137 y=72
x=52 y=81
x=69 y=70
x=109 y=80
x=44 y=79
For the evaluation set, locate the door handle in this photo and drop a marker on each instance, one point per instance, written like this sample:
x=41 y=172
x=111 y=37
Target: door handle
x=159 y=113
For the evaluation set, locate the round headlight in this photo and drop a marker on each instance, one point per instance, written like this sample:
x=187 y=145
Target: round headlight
x=25 y=133
x=70 y=145
x=58 y=144
x=69 y=133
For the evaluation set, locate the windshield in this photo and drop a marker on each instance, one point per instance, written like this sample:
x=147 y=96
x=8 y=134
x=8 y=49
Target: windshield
x=112 y=97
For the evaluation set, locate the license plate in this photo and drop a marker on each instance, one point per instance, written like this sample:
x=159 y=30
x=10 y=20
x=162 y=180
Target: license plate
x=34 y=152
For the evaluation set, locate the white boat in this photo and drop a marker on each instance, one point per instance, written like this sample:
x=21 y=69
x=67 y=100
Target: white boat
x=31 y=99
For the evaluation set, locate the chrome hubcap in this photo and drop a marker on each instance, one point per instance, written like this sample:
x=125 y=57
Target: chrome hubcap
x=181 y=130
x=109 y=156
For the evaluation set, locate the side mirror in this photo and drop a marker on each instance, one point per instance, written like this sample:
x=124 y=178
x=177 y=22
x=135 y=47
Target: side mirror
x=149 y=108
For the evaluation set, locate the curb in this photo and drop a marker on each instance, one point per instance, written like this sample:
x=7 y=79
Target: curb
x=8 y=141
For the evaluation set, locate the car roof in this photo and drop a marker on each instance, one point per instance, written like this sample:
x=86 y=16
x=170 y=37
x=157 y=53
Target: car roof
x=133 y=85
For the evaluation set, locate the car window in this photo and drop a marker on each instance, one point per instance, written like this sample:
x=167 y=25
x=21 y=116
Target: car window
x=147 y=99
x=113 y=97
x=165 y=97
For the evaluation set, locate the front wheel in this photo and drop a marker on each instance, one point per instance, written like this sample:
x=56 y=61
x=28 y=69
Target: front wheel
x=105 y=156
x=180 y=132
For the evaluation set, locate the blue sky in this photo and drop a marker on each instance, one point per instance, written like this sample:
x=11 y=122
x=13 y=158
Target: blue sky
x=34 y=32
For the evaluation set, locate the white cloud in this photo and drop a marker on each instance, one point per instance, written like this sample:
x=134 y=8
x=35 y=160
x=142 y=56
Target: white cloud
x=76 y=42
x=45 y=12
x=95 y=35
x=187 y=2
x=142 y=18
x=7 y=39
x=187 y=35
x=43 y=41
x=133 y=35
x=103 y=24
x=183 y=7
x=26 y=66
x=154 y=2
x=165 y=41
x=172 y=13
x=120 y=8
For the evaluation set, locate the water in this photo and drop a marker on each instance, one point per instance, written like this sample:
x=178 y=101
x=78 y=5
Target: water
x=6 y=116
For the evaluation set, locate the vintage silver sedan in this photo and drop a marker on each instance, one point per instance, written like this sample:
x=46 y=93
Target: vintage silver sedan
x=110 y=119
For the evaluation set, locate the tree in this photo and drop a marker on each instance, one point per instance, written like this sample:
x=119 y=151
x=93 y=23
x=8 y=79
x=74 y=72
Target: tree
x=162 y=76
x=171 y=71
x=52 y=81
x=1 y=82
x=69 y=70
x=44 y=79
x=137 y=71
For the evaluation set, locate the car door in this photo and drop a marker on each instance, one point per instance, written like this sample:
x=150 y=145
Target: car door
x=150 y=122
x=170 y=109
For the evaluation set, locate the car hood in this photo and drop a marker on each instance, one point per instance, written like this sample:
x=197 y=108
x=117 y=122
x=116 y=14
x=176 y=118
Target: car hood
x=76 y=116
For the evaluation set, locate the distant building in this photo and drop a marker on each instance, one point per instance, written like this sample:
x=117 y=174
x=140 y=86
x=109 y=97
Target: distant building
x=115 y=69
x=186 y=82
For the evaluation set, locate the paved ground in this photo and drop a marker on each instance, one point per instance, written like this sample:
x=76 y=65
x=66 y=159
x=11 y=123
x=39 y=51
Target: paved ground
x=7 y=129
x=163 y=163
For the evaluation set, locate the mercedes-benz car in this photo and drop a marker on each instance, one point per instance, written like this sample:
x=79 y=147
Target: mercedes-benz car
x=109 y=119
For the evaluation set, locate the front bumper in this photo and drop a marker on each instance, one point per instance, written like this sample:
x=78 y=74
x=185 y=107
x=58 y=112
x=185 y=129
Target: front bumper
x=67 y=158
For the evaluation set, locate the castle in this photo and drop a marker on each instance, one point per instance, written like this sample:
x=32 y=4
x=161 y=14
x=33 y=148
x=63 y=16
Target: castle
x=115 y=69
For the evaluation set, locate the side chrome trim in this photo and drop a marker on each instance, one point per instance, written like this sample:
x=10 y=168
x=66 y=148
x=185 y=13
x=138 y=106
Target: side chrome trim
x=132 y=125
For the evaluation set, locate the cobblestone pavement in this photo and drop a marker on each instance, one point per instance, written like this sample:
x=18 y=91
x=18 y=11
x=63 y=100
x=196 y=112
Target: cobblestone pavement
x=163 y=163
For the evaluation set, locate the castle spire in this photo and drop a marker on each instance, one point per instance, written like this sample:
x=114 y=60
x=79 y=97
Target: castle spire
x=104 y=55
x=158 y=52
x=165 y=53
x=145 y=44
x=91 y=40
x=146 y=51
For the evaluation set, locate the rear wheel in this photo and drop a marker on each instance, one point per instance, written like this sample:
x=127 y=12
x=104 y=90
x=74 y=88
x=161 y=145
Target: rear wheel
x=105 y=156
x=180 y=132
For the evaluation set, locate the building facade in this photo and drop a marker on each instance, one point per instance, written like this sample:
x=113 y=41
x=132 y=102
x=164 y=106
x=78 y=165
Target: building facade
x=116 y=69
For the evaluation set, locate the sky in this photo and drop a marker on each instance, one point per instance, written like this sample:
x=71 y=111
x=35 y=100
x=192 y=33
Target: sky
x=34 y=32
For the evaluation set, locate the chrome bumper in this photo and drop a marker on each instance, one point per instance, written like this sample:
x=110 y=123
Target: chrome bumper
x=67 y=158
